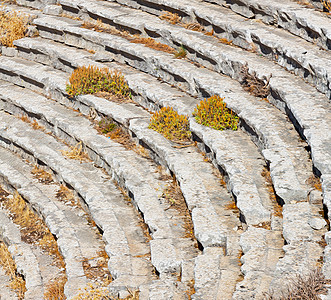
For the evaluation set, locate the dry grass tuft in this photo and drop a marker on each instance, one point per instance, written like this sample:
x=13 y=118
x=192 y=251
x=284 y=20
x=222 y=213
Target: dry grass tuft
x=253 y=85
x=170 y=124
x=42 y=175
x=67 y=196
x=315 y=182
x=34 y=231
x=17 y=283
x=98 y=292
x=304 y=287
x=277 y=209
x=151 y=43
x=13 y=26
x=99 y=272
x=170 y=17
x=191 y=290
x=55 y=289
x=76 y=152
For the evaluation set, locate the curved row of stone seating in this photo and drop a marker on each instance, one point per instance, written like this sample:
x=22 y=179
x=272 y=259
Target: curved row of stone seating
x=300 y=20
x=97 y=193
x=120 y=117
x=289 y=51
x=143 y=88
x=211 y=229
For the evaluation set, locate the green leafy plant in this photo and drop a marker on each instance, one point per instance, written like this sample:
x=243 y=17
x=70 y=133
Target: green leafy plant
x=170 y=124
x=213 y=112
x=91 y=80
x=181 y=52
x=106 y=125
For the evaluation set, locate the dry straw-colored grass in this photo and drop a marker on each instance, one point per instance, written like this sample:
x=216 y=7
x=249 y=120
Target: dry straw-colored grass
x=17 y=283
x=77 y=152
x=133 y=38
x=254 y=85
x=304 y=287
x=34 y=231
x=13 y=26
x=174 y=196
x=315 y=182
x=42 y=175
x=98 y=292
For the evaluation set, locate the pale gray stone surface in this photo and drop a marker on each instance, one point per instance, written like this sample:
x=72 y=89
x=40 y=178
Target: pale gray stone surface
x=53 y=216
x=24 y=258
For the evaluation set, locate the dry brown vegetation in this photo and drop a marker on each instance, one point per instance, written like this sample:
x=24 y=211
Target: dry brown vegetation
x=98 y=292
x=100 y=271
x=277 y=208
x=175 y=198
x=17 y=283
x=76 y=152
x=304 y=287
x=34 y=231
x=315 y=182
x=42 y=175
x=254 y=85
x=133 y=38
x=13 y=26
x=175 y=19
x=67 y=196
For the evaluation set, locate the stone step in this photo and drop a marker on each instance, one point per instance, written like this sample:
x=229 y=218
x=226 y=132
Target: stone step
x=207 y=50
x=115 y=236
x=305 y=22
x=271 y=139
x=171 y=158
x=26 y=261
x=159 y=226
x=289 y=51
x=66 y=223
x=298 y=110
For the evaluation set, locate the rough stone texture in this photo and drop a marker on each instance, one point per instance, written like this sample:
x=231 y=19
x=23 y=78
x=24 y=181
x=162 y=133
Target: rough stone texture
x=54 y=218
x=257 y=243
x=305 y=22
x=25 y=260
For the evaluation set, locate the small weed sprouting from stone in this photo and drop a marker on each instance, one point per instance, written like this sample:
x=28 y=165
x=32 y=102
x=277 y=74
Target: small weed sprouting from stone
x=170 y=124
x=13 y=26
x=254 y=85
x=213 y=112
x=91 y=80
x=106 y=125
x=180 y=53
